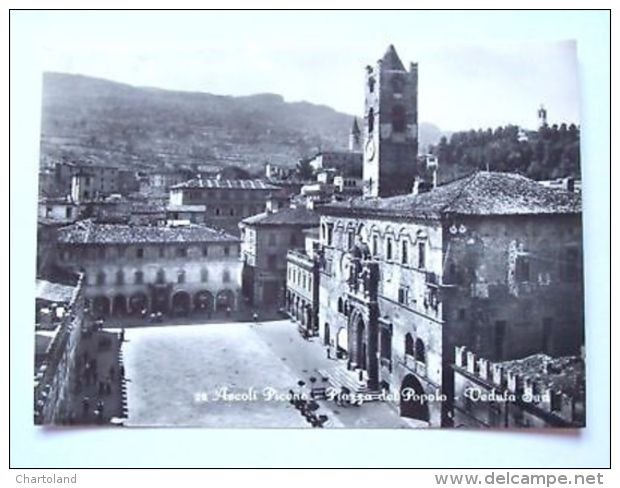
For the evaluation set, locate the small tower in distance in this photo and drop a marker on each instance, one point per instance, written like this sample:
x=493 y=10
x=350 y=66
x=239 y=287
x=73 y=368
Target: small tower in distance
x=355 y=137
x=542 y=116
x=390 y=127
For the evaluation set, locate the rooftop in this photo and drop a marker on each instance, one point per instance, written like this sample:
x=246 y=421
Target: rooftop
x=226 y=184
x=88 y=232
x=286 y=216
x=481 y=193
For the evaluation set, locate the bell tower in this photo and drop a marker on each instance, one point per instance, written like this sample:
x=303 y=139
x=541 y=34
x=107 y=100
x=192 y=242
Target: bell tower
x=390 y=132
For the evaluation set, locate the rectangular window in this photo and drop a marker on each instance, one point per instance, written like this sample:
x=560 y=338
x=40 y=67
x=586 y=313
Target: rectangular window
x=404 y=254
x=330 y=234
x=388 y=249
x=205 y=251
x=140 y=253
x=375 y=245
x=403 y=295
x=522 y=269
x=162 y=252
x=181 y=252
x=272 y=239
x=421 y=255
x=226 y=251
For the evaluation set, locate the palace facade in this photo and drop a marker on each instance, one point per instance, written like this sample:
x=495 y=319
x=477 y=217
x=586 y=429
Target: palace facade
x=133 y=269
x=491 y=262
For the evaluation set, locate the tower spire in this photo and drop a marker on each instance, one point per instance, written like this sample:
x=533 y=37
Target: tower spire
x=391 y=60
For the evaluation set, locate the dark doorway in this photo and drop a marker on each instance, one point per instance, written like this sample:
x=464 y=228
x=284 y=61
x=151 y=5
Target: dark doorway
x=412 y=402
x=181 y=303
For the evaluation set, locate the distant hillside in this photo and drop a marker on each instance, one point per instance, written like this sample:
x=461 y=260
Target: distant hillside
x=113 y=123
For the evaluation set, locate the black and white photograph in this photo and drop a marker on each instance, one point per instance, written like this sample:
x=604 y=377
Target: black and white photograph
x=314 y=235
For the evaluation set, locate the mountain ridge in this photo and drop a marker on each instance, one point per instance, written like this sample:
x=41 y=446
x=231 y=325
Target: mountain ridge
x=109 y=122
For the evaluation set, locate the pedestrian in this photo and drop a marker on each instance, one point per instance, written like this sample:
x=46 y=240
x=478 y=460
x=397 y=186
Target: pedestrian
x=228 y=311
x=123 y=334
x=255 y=317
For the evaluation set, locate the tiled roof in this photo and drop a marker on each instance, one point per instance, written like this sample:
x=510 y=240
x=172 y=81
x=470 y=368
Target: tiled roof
x=290 y=216
x=87 y=232
x=226 y=184
x=481 y=193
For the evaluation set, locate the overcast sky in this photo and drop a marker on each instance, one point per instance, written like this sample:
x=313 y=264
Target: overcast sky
x=475 y=77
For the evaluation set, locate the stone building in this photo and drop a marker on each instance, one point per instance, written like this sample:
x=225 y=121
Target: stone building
x=266 y=240
x=58 y=329
x=94 y=182
x=129 y=269
x=345 y=162
x=302 y=284
x=536 y=391
x=390 y=129
x=491 y=262
x=226 y=202
x=58 y=209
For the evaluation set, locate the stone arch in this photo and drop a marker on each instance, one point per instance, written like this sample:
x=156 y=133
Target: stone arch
x=137 y=303
x=101 y=306
x=225 y=300
x=181 y=303
x=119 y=305
x=203 y=301
x=413 y=403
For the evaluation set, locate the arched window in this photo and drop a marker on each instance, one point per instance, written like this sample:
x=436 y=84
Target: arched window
x=420 y=351
x=138 y=277
x=404 y=254
x=371 y=120
x=340 y=306
x=181 y=276
x=409 y=345
x=120 y=277
x=388 y=249
x=399 y=118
